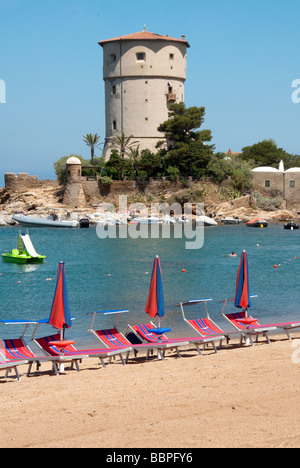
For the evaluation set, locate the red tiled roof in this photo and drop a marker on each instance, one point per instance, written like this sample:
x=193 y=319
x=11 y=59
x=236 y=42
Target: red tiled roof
x=146 y=36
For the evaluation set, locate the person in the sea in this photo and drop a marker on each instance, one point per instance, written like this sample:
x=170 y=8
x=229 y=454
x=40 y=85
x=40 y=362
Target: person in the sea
x=233 y=254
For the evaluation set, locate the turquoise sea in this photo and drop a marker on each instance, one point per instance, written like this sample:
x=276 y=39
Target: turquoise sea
x=106 y=274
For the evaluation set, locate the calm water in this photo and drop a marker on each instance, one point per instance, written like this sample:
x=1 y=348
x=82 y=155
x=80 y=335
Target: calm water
x=115 y=273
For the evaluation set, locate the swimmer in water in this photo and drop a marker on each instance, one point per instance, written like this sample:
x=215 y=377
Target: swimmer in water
x=233 y=254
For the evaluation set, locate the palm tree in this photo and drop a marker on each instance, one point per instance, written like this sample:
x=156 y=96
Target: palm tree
x=134 y=157
x=92 y=140
x=124 y=143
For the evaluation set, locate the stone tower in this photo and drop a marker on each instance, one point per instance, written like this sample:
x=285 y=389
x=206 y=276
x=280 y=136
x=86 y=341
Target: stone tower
x=143 y=73
x=74 y=194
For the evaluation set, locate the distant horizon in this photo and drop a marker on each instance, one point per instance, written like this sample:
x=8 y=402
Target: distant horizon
x=241 y=67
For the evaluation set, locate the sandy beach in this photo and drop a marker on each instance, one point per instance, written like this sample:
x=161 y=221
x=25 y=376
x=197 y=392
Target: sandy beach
x=240 y=397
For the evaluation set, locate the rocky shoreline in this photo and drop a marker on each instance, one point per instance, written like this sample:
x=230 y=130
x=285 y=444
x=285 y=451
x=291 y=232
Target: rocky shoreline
x=43 y=203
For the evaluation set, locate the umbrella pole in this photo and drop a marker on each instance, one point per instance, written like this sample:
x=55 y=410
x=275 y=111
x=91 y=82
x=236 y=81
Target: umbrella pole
x=61 y=351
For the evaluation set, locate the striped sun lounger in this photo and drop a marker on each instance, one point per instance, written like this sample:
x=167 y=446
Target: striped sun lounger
x=143 y=332
x=112 y=337
x=18 y=349
x=71 y=351
x=250 y=330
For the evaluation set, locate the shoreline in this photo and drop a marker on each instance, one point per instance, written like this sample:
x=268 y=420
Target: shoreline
x=240 y=397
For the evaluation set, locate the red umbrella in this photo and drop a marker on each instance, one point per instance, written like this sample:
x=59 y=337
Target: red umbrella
x=242 y=294
x=60 y=313
x=155 y=304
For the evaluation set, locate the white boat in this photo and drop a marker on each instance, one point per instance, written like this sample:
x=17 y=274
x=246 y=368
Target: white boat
x=206 y=220
x=25 y=220
x=147 y=220
x=231 y=220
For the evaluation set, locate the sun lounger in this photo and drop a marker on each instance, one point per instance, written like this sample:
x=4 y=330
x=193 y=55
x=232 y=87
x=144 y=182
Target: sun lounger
x=114 y=338
x=237 y=320
x=71 y=352
x=287 y=327
x=143 y=332
x=206 y=327
x=18 y=349
x=9 y=365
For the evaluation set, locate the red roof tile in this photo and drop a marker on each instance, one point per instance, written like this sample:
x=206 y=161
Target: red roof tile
x=146 y=36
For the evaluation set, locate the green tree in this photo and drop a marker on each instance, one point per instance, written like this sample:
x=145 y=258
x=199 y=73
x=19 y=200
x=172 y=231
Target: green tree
x=149 y=162
x=266 y=153
x=93 y=141
x=187 y=147
x=220 y=169
x=124 y=143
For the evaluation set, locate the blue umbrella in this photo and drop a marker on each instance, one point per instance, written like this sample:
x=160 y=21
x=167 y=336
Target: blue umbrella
x=242 y=294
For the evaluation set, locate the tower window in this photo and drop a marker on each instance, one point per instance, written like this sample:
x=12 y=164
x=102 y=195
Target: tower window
x=292 y=184
x=267 y=183
x=141 y=57
x=114 y=125
x=114 y=89
x=171 y=56
x=113 y=58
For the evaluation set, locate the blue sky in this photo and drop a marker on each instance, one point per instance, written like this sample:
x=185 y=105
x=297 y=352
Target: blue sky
x=243 y=59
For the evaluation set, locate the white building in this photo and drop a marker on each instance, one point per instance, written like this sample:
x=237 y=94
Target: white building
x=143 y=73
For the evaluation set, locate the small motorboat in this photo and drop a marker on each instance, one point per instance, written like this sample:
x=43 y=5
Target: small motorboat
x=206 y=221
x=146 y=220
x=231 y=220
x=44 y=222
x=84 y=223
x=24 y=253
x=258 y=222
x=291 y=225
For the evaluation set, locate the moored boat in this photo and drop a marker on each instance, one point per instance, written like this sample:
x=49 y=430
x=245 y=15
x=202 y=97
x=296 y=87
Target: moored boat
x=231 y=220
x=25 y=220
x=206 y=220
x=84 y=223
x=258 y=222
x=291 y=225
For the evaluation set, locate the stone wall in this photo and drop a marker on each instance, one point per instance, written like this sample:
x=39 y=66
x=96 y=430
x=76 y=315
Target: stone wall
x=23 y=181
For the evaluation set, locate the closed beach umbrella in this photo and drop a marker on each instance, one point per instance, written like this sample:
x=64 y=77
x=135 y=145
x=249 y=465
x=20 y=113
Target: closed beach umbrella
x=242 y=295
x=60 y=313
x=155 y=306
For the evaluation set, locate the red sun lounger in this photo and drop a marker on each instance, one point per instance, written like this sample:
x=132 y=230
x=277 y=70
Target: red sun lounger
x=18 y=349
x=112 y=337
x=71 y=351
x=143 y=332
x=252 y=329
x=9 y=365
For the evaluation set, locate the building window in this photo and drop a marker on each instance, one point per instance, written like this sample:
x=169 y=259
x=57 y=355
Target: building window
x=114 y=125
x=267 y=183
x=171 y=56
x=292 y=184
x=113 y=58
x=141 y=57
x=114 y=89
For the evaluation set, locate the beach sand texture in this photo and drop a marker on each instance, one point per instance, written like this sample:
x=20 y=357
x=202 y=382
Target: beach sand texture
x=240 y=397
